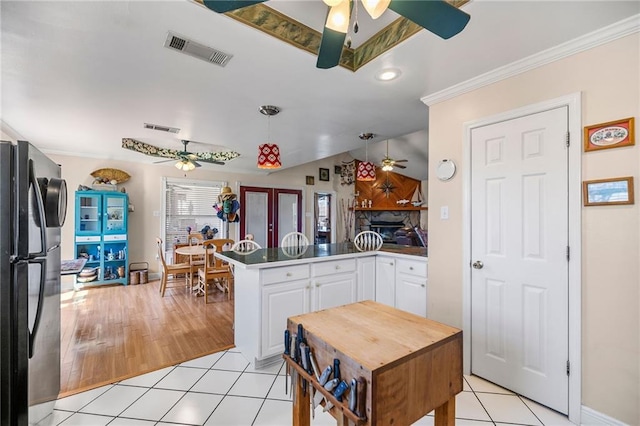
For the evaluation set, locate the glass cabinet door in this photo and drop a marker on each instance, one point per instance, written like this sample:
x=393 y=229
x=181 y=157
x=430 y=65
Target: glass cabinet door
x=88 y=214
x=115 y=209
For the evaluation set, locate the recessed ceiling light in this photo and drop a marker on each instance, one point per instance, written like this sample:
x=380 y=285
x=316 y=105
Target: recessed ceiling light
x=388 y=74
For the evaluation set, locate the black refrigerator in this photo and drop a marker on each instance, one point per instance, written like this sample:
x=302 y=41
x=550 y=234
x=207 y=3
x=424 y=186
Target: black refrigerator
x=33 y=202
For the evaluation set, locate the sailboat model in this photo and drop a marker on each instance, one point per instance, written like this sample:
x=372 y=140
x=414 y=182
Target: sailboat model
x=416 y=198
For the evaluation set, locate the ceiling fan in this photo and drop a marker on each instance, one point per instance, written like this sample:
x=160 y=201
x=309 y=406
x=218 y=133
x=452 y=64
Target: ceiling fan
x=437 y=16
x=389 y=163
x=186 y=160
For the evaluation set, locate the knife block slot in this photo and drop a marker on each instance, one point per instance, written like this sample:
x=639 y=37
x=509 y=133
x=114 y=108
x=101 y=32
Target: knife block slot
x=342 y=406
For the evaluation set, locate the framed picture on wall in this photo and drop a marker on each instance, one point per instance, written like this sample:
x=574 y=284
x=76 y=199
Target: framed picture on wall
x=310 y=180
x=324 y=174
x=613 y=134
x=337 y=170
x=608 y=192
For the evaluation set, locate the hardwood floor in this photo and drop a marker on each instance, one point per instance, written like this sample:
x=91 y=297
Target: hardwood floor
x=109 y=334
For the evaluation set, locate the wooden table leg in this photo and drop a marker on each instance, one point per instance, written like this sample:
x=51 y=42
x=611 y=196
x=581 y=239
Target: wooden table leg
x=446 y=413
x=301 y=405
x=342 y=420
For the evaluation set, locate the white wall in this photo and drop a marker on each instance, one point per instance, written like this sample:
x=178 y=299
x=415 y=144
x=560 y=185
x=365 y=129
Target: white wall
x=610 y=235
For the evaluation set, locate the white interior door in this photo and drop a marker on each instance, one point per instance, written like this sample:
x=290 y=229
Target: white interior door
x=519 y=279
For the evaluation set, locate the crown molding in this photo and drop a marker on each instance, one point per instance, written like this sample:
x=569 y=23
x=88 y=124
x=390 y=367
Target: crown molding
x=588 y=41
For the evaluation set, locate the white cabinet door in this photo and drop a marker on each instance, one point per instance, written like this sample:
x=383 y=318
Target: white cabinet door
x=334 y=290
x=279 y=302
x=367 y=278
x=411 y=294
x=386 y=280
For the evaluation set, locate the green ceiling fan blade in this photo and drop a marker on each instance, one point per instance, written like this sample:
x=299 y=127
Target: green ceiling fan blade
x=330 y=48
x=437 y=16
x=222 y=6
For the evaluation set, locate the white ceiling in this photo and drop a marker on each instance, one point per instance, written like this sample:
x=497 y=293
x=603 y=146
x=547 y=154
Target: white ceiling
x=77 y=77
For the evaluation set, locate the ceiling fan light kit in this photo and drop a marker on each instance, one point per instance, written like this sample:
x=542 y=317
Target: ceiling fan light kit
x=185 y=166
x=269 y=153
x=338 y=17
x=388 y=163
x=375 y=8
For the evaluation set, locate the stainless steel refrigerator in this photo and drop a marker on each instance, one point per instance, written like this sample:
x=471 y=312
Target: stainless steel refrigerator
x=33 y=202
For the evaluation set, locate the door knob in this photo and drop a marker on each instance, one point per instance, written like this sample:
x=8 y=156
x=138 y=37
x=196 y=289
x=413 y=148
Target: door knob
x=477 y=264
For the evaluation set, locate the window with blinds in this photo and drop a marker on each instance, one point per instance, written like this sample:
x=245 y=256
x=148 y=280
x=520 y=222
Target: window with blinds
x=190 y=204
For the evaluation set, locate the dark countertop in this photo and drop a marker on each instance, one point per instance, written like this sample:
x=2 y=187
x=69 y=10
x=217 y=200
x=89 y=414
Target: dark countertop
x=318 y=251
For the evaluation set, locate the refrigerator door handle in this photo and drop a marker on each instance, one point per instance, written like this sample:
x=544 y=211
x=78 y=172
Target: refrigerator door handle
x=41 y=219
x=36 y=322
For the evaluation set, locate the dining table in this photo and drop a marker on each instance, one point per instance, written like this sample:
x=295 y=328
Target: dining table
x=194 y=251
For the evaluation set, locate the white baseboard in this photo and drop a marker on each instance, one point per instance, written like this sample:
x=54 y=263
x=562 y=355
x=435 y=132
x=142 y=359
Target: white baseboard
x=589 y=416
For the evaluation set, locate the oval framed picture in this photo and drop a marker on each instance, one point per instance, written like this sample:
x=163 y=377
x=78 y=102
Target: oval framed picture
x=613 y=134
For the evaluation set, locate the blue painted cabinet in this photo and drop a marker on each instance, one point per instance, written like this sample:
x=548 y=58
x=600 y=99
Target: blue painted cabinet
x=101 y=236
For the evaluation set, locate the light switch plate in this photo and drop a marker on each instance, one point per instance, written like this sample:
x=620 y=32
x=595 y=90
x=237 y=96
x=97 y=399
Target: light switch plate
x=444 y=212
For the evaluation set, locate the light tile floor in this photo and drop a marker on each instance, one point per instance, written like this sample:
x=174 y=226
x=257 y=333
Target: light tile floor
x=223 y=389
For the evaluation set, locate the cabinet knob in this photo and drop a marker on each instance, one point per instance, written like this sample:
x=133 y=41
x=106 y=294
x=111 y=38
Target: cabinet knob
x=289 y=274
x=391 y=263
x=411 y=268
x=423 y=285
x=317 y=284
x=337 y=266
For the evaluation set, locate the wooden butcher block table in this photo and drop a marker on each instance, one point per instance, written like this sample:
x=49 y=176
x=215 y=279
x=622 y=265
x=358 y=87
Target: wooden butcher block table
x=411 y=365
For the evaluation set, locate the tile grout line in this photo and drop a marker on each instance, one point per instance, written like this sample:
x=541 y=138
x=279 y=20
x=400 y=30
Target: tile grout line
x=478 y=399
x=532 y=412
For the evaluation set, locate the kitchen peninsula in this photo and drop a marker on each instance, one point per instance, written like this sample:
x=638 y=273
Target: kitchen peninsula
x=273 y=284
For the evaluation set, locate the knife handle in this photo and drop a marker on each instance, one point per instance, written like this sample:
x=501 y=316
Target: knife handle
x=294 y=348
x=352 y=395
x=340 y=390
x=325 y=375
x=336 y=368
x=331 y=384
x=303 y=356
x=306 y=356
x=314 y=366
x=287 y=342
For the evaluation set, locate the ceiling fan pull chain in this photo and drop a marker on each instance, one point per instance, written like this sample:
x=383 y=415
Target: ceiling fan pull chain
x=355 y=19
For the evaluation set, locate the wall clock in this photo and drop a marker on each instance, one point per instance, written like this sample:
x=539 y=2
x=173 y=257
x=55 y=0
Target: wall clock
x=445 y=169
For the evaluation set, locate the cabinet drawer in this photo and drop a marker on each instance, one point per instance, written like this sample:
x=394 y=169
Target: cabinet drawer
x=122 y=237
x=411 y=267
x=284 y=274
x=333 y=267
x=92 y=239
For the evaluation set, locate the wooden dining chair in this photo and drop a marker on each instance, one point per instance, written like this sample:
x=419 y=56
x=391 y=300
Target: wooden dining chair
x=173 y=269
x=210 y=274
x=222 y=244
x=195 y=238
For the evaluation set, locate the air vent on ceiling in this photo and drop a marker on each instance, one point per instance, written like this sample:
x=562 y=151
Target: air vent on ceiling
x=197 y=50
x=161 y=128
